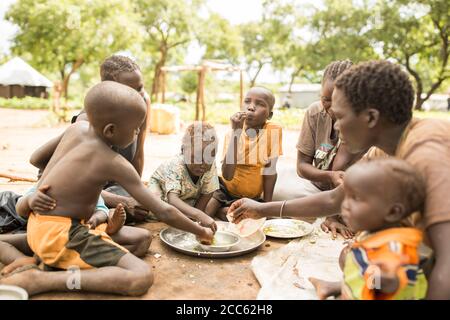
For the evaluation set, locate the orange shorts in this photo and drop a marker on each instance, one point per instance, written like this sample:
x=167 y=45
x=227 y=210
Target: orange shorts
x=64 y=243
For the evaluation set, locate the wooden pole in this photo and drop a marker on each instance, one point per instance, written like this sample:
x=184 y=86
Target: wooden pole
x=163 y=80
x=197 y=100
x=13 y=178
x=203 y=94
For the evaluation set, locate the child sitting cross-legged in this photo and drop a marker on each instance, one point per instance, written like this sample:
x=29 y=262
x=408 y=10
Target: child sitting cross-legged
x=188 y=180
x=251 y=151
x=383 y=262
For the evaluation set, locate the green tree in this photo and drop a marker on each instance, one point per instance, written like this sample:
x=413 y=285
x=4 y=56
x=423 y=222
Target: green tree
x=169 y=26
x=416 y=34
x=221 y=39
x=189 y=82
x=61 y=36
x=322 y=35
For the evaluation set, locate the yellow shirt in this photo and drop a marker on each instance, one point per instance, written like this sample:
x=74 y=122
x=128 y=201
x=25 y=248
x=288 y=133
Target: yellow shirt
x=253 y=155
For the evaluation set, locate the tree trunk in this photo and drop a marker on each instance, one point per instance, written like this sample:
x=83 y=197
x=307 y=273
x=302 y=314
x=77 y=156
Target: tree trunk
x=419 y=85
x=293 y=76
x=157 y=75
x=419 y=104
x=253 y=79
x=66 y=79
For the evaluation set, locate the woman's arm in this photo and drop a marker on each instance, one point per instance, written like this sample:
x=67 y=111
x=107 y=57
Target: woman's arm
x=439 y=279
x=316 y=205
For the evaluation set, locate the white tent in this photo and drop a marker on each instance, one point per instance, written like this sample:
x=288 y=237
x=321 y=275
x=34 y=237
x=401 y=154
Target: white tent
x=18 y=72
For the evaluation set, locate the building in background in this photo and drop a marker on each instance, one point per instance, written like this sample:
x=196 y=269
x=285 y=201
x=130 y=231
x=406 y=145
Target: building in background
x=301 y=95
x=19 y=79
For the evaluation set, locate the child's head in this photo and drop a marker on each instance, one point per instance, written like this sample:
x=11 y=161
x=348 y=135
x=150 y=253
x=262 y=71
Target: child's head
x=258 y=102
x=199 y=147
x=332 y=71
x=381 y=193
x=115 y=111
x=123 y=70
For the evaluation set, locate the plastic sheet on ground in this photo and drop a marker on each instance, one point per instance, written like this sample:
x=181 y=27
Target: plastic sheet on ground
x=283 y=273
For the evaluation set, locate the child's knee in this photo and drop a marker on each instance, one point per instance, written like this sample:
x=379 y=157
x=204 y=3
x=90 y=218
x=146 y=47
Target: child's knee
x=145 y=240
x=141 y=281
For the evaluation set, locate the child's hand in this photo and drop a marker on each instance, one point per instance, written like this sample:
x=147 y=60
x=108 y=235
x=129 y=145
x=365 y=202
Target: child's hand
x=206 y=237
x=336 y=227
x=134 y=209
x=337 y=178
x=40 y=202
x=238 y=119
x=208 y=222
x=96 y=220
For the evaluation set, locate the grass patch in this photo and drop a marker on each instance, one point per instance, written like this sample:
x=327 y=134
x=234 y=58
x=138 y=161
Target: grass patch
x=291 y=119
x=32 y=103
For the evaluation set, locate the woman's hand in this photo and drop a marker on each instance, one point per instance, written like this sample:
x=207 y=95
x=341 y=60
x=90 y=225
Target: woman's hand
x=244 y=209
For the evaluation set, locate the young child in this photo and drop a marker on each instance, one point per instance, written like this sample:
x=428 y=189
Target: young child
x=189 y=180
x=251 y=151
x=383 y=262
x=123 y=70
x=80 y=166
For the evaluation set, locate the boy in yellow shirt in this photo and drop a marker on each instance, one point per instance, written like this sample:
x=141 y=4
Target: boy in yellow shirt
x=251 y=151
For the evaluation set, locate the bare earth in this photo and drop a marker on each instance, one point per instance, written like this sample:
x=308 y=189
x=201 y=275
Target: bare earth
x=177 y=276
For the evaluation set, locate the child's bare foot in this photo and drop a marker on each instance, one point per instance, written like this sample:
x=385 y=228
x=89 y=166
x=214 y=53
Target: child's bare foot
x=20 y=262
x=325 y=289
x=25 y=279
x=116 y=220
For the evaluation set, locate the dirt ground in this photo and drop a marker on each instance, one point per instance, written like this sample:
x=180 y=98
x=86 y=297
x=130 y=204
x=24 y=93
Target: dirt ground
x=177 y=276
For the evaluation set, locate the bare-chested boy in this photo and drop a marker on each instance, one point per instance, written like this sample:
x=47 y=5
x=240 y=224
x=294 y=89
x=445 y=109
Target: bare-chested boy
x=82 y=163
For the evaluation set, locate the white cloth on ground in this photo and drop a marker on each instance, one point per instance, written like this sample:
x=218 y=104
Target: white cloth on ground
x=283 y=273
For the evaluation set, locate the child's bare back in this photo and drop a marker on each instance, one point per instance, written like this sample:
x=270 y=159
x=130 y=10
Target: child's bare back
x=83 y=161
x=77 y=171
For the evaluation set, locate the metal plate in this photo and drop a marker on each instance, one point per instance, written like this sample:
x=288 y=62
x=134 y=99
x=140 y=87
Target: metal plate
x=287 y=228
x=12 y=293
x=186 y=243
